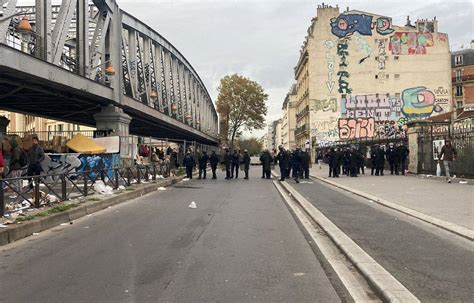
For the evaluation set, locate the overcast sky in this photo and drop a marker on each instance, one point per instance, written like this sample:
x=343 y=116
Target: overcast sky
x=261 y=38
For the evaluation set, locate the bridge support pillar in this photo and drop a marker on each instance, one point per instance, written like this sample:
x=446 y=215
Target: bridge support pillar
x=113 y=118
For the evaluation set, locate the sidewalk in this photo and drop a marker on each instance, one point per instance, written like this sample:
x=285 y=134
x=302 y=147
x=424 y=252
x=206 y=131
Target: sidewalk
x=453 y=202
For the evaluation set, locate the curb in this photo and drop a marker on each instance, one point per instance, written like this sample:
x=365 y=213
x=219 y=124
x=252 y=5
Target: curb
x=448 y=226
x=26 y=229
x=389 y=288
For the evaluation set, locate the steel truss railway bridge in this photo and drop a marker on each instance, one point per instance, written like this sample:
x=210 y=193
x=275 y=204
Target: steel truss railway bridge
x=91 y=63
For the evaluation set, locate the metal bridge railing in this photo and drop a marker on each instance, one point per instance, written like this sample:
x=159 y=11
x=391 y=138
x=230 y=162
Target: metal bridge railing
x=67 y=186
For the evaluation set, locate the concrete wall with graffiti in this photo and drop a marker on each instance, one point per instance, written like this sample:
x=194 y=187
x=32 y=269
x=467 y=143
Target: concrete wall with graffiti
x=368 y=77
x=70 y=163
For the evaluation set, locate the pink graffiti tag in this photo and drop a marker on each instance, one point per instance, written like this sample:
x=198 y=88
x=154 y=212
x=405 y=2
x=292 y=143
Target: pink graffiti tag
x=356 y=128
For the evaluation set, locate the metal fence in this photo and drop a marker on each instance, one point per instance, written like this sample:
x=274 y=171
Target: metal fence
x=66 y=186
x=463 y=142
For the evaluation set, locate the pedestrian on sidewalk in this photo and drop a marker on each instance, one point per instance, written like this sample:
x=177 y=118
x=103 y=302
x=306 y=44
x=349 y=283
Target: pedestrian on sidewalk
x=246 y=161
x=35 y=157
x=189 y=163
x=319 y=159
x=18 y=161
x=450 y=154
x=203 y=165
x=214 y=160
x=283 y=162
x=235 y=164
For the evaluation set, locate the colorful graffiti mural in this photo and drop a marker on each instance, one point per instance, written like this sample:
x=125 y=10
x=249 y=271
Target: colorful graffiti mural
x=377 y=106
x=419 y=102
x=345 y=25
x=364 y=47
x=356 y=128
x=324 y=105
x=409 y=43
x=330 y=61
x=342 y=52
x=70 y=163
x=325 y=131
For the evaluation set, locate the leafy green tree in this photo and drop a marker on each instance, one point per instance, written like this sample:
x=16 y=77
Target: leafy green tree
x=242 y=104
x=252 y=145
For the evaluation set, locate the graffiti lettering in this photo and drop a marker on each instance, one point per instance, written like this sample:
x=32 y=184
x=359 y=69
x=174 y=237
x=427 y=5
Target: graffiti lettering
x=442 y=37
x=377 y=106
x=356 y=128
x=330 y=64
x=402 y=43
x=419 y=102
x=441 y=91
x=325 y=105
x=342 y=73
x=390 y=130
x=382 y=55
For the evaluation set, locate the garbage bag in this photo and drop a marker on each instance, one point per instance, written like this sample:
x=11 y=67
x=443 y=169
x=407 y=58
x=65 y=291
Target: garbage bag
x=438 y=170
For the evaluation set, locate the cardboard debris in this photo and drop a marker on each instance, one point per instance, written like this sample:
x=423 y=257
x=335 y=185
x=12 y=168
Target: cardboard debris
x=84 y=145
x=161 y=188
x=192 y=205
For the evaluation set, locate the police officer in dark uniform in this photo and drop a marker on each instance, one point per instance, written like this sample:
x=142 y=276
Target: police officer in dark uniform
x=373 y=158
x=380 y=161
x=391 y=156
x=227 y=163
x=246 y=161
x=214 y=160
x=283 y=162
x=297 y=161
x=189 y=163
x=203 y=165
x=305 y=162
x=235 y=164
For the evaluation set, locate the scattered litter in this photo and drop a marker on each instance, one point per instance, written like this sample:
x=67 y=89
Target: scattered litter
x=159 y=177
x=454 y=177
x=121 y=187
x=52 y=199
x=298 y=274
x=226 y=281
x=161 y=188
x=117 y=211
x=109 y=206
x=126 y=290
x=101 y=188
x=133 y=181
x=64 y=224
x=463 y=182
x=35 y=234
x=186 y=179
x=150 y=177
x=86 y=226
x=3 y=226
x=192 y=205
x=428 y=176
x=306 y=182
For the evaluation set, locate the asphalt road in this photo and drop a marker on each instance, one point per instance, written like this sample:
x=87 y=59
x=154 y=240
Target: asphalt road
x=241 y=244
x=434 y=265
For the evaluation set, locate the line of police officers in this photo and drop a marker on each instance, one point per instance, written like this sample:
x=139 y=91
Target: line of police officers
x=352 y=160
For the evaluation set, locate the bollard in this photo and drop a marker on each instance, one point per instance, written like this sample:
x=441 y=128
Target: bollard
x=37 y=193
x=116 y=175
x=63 y=187
x=2 y=199
x=86 y=176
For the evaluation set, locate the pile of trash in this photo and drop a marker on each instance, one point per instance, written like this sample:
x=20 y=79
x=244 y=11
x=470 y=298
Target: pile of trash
x=101 y=188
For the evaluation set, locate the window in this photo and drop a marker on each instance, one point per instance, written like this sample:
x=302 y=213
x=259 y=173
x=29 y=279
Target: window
x=458 y=75
x=387 y=76
x=459 y=104
x=458 y=90
x=397 y=76
x=458 y=60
